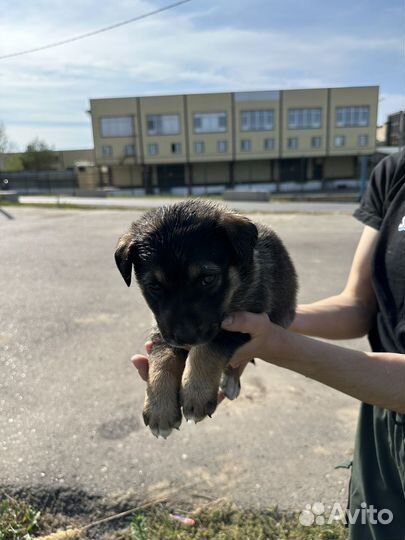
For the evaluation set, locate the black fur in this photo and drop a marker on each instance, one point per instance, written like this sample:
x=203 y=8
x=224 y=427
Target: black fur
x=196 y=262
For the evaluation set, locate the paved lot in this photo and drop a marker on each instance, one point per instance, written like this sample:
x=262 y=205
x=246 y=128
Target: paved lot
x=70 y=401
x=152 y=202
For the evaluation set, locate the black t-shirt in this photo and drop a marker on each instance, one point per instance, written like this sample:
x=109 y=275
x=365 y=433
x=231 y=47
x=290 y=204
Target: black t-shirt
x=383 y=208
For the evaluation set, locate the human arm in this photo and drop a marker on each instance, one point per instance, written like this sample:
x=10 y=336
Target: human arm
x=349 y=314
x=374 y=378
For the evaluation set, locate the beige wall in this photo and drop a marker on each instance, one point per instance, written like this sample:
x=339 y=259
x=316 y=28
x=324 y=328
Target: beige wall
x=303 y=99
x=210 y=173
x=113 y=107
x=201 y=103
x=340 y=97
x=381 y=134
x=254 y=101
x=163 y=105
x=253 y=171
x=127 y=176
x=232 y=105
x=68 y=158
x=340 y=167
x=88 y=178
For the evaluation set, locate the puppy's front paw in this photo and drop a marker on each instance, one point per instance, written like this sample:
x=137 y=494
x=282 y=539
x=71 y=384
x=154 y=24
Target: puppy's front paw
x=162 y=415
x=198 y=401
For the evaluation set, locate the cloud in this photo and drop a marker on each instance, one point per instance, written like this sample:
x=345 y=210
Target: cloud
x=178 y=51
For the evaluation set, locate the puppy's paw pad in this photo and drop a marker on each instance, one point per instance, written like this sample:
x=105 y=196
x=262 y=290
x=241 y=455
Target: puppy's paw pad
x=162 y=421
x=230 y=386
x=197 y=408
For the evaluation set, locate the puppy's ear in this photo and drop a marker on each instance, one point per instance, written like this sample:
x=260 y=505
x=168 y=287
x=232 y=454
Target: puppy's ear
x=242 y=234
x=124 y=255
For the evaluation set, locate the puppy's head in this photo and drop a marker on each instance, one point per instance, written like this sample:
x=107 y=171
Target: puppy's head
x=188 y=259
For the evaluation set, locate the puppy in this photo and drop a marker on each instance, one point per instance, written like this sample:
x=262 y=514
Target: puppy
x=196 y=262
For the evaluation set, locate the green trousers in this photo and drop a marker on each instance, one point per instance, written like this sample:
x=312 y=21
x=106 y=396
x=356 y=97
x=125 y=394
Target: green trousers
x=377 y=485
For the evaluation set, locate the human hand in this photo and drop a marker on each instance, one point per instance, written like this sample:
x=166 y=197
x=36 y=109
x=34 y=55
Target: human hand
x=141 y=363
x=266 y=337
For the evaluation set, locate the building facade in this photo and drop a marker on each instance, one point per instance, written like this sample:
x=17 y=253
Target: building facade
x=396 y=129
x=205 y=142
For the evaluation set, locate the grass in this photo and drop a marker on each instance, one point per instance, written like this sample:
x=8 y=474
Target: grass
x=215 y=521
x=228 y=523
x=18 y=520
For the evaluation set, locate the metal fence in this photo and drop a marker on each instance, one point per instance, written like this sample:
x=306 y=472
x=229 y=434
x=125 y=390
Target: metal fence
x=39 y=182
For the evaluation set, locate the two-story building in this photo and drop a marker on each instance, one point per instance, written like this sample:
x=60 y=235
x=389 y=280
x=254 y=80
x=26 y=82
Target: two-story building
x=206 y=142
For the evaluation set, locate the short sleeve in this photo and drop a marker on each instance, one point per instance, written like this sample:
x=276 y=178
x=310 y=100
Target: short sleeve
x=372 y=207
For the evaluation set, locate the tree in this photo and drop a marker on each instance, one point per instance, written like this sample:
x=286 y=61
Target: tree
x=38 y=156
x=4 y=143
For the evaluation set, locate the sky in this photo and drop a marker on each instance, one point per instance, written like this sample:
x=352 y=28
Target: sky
x=202 y=46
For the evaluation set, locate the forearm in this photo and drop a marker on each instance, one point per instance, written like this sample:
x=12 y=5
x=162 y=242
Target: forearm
x=336 y=317
x=374 y=378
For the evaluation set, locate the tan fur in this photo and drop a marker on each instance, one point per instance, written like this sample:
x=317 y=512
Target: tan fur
x=165 y=371
x=234 y=284
x=160 y=276
x=194 y=271
x=200 y=382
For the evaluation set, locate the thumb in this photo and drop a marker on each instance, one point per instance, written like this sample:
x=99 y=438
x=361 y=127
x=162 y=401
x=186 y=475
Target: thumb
x=247 y=323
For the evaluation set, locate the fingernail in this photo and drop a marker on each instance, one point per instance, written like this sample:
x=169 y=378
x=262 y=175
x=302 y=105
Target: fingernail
x=227 y=321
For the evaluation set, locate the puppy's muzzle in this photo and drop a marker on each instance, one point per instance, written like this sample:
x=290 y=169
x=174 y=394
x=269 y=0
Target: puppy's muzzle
x=187 y=336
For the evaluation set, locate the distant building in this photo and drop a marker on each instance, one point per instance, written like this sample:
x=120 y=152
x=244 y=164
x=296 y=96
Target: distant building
x=396 y=129
x=209 y=141
x=65 y=160
x=381 y=134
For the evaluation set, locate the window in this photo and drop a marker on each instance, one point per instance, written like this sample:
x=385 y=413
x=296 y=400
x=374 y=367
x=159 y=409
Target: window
x=153 y=149
x=316 y=142
x=199 y=147
x=340 y=140
x=304 y=118
x=261 y=120
x=222 y=147
x=175 y=148
x=107 y=151
x=209 y=122
x=363 y=140
x=268 y=144
x=129 y=150
x=163 y=124
x=245 y=145
x=352 y=116
x=117 y=126
x=292 y=143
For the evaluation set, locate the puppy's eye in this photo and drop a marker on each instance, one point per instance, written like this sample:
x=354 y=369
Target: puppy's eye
x=208 y=280
x=155 y=286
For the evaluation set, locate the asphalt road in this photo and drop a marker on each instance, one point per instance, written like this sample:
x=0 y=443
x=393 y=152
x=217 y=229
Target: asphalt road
x=70 y=401
x=143 y=203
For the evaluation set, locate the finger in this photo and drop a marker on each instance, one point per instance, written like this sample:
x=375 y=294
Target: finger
x=242 y=366
x=247 y=323
x=238 y=363
x=149 y=347
x=242 y=357
x=142 y=365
